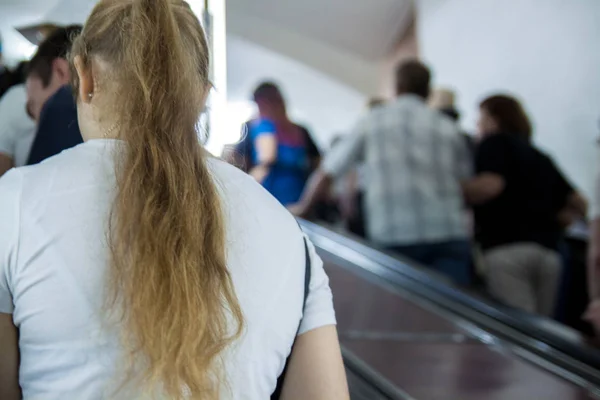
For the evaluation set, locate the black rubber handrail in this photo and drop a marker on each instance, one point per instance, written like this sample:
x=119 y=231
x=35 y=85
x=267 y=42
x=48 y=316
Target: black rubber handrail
x=378 y=387
x=540 y=340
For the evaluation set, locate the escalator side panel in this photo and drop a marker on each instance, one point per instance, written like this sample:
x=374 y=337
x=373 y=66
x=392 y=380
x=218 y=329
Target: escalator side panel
x=467 y=371
x=362 y=306
x=421 y=352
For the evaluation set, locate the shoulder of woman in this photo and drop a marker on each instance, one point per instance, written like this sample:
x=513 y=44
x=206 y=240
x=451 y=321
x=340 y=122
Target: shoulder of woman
x=10 y=183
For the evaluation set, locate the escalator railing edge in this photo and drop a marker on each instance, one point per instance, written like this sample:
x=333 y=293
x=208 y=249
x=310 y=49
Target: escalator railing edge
x=525 y=331
x=384 y=388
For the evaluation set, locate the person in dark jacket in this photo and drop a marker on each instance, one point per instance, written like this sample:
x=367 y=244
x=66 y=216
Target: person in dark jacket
x=5 y=74
x=522 y=202
x=49 y=97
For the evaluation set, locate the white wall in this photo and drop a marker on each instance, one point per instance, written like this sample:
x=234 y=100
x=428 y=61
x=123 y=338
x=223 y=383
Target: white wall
x=545 y=51
x=325 y=105
x=349 y=68
x=67 y=12
x=15 y=47
x=22 y=13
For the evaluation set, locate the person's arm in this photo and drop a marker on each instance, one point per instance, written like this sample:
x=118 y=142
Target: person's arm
x=6 y=163
x=573 y=205
x=483 y=188
x=316 y=369
x=265 y=145
x=338 y=162
x=491 y=168
x=10 y=188
x=9 y=359
x=575 y=209
x=316 y=189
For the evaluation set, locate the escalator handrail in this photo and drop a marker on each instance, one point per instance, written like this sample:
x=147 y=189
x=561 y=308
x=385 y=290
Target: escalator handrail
x=375 y=381
x=529 y=325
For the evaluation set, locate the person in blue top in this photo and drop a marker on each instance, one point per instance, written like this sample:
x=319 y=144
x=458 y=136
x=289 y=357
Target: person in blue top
x=277 y=152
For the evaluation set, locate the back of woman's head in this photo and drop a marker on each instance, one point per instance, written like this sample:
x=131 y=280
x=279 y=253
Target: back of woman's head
x=168 y=278
x=269 y=100
x=508 y=115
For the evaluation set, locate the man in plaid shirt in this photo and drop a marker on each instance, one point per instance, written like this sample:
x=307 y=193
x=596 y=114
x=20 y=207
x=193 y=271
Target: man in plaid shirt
x=416 y=161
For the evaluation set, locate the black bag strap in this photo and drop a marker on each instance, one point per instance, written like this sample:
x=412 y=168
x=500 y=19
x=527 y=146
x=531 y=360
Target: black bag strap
x=307 y=273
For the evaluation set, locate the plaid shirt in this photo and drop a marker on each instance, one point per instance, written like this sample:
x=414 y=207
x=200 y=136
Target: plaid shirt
x=415 y=160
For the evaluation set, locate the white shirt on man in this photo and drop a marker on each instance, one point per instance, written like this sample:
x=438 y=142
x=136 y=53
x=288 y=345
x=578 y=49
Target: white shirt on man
x=53 y=261
x=17 y=129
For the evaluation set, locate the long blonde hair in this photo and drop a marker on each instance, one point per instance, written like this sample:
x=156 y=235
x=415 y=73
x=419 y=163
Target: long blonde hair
x=168 y=275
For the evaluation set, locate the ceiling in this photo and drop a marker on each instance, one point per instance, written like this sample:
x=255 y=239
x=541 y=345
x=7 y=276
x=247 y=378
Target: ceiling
x=19 y=13
x=366 y=28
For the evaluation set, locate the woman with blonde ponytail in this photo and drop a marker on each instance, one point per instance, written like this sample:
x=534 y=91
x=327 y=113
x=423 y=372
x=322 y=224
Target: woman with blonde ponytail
x=134 y=266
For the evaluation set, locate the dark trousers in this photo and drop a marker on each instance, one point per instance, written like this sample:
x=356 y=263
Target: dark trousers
x=452 y=258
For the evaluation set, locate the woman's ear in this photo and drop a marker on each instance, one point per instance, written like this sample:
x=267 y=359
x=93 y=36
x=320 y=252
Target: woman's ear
x=85 y=78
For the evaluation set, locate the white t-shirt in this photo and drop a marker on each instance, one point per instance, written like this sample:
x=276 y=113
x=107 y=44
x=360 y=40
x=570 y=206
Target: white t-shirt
x=17 y=130
x=53 y=258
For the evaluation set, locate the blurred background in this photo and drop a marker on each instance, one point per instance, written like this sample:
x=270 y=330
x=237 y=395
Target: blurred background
x=409 y=331
x=332 y=60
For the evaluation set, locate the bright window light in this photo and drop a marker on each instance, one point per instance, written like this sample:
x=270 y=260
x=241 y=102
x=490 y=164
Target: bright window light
x=25 y=50
x=214 y=24
x=234 y=116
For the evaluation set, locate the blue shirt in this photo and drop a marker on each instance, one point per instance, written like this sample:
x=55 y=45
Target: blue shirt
x=288 y=175
x=58 y=129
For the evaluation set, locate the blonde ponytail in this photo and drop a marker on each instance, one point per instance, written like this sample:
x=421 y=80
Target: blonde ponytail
x=168 y=273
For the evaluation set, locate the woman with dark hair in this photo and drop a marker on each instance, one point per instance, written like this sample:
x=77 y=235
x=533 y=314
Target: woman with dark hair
x=278 y=153
x=503 y=114
x=521 y=202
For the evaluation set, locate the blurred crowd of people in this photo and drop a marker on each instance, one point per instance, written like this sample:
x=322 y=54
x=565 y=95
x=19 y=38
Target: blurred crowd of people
x=487 y=206
x=38 y=103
